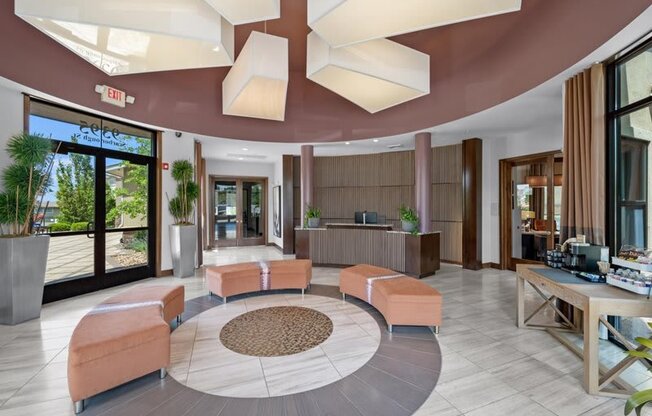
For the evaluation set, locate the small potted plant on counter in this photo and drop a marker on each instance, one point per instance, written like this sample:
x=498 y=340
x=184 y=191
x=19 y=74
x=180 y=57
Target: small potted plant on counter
x=183 y=233
x=23 y=255
x=409 y=219
x=313 y=216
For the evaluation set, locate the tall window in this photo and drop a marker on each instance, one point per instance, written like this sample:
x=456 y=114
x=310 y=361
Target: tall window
x=630 y=134
x=629 y=126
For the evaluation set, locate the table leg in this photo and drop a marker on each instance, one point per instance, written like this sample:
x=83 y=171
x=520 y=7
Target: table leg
x=520 y=302
x=591 y=349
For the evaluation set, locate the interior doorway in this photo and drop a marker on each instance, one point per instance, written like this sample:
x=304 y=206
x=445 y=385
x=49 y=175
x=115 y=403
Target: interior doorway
x=238 y=213
x=530 y=207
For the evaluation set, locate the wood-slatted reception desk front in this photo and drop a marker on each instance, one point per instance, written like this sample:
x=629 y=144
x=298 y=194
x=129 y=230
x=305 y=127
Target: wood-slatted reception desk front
x=376 y=244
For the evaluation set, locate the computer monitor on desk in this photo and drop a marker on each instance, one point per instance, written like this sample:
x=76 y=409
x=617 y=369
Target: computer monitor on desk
x=366 y=217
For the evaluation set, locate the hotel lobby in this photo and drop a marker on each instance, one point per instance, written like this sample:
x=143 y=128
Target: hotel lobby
x=325 y=207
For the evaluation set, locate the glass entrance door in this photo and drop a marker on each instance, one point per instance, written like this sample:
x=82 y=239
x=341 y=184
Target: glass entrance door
x=98 y=207
x=238 y=212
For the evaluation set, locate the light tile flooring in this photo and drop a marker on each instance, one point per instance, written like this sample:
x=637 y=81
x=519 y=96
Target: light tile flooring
x=201 y=362
x=490 y=367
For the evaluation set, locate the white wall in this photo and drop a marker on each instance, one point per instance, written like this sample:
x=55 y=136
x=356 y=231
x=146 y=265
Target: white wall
x=493 y=150
x=11 y=120
x=174 y=148
x=249 y=169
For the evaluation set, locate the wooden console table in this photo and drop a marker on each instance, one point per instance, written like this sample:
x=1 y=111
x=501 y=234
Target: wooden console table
x=596 y=301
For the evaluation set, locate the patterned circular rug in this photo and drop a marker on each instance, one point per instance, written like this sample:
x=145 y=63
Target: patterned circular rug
x=276 y=331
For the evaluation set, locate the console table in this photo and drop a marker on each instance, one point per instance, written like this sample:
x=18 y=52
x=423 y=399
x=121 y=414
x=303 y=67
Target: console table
x=596 y=301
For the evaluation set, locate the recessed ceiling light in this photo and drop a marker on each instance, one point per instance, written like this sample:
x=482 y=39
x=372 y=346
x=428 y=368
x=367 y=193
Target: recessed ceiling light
x=375 y=140
x=347 y=143
x=245 y=149
x=241 y=158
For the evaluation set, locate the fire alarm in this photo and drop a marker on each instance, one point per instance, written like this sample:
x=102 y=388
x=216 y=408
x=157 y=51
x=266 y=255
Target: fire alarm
x=166 y=166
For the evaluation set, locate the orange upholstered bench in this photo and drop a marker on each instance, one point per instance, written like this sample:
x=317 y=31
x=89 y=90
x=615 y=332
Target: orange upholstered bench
x=171 y=298
x=235 y=279
x=402 y=300
x=125 y=337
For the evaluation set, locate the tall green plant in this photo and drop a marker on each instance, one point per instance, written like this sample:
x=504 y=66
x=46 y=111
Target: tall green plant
x=640 y=399
x=182 y=206
x=24 y=182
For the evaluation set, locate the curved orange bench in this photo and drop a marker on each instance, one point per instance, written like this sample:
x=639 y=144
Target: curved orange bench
x=402 y=300
x=125 y=337
x=236 y=279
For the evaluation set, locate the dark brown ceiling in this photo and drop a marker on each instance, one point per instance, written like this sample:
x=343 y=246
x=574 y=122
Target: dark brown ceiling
x=474 y=66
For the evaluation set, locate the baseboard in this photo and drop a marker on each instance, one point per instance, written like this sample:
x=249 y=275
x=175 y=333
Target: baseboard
x=491 y=265
x=457 y=263
x=165 y=273
x=276 y=246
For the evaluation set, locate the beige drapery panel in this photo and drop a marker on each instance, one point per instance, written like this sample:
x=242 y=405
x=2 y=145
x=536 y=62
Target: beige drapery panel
x=583 y=196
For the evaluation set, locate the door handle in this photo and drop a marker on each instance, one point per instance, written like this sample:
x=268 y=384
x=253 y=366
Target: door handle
x=88 y=230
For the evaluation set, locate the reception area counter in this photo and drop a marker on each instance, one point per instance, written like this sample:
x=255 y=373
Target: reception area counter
x=376 y=244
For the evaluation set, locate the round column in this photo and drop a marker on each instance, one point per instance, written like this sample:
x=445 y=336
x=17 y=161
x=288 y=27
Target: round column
x=423 y=180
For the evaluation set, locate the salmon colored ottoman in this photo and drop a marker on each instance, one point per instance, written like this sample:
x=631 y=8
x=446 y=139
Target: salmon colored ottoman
x=235 y=279
x=112 y=345
x=402 y=300
x=171 y=298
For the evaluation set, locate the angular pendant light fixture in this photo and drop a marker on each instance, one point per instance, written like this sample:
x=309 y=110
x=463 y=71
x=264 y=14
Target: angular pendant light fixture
x=375 y=75
x=257 y=84
x=375 y=19
x=239 y=12
x=132 y=36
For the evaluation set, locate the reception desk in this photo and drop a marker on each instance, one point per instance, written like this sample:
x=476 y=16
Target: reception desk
x=379 y=245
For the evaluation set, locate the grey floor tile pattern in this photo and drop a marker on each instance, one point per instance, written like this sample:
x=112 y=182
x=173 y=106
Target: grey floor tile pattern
x=33 y=357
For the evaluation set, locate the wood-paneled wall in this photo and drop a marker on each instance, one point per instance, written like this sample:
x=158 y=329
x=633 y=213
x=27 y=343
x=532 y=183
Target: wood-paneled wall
x=382 y=183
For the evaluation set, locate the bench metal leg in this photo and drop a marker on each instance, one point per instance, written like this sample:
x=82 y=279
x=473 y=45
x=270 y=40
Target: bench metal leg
x=79 y=407
x=343 y=296
x=302 y=292
x=224 y=299
x=434 y=329
x=179 y=318
x=210 y=294
x=389 y=327
x=163 y=373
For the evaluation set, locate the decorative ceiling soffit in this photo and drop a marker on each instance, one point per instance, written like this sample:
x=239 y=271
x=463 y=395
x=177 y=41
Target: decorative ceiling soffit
x=346 y=22
x=239 y=12
x=375 y=75
x=129 y=36
x=256 y=85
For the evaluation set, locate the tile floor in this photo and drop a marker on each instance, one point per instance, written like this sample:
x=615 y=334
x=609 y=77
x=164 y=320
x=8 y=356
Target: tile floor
x=490 y=367
x=201 y=362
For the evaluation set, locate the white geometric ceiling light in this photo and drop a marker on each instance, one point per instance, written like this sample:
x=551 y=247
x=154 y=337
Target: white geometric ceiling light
x=132 y=36
x=239 y=12
x=256 y=86
x=345 y=22
x=375 y=75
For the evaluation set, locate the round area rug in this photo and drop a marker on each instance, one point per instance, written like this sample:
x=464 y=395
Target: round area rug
x=276 y=331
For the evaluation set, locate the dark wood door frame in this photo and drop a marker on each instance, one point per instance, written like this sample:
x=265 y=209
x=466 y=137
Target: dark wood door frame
x=506 y=202
x=239 y=240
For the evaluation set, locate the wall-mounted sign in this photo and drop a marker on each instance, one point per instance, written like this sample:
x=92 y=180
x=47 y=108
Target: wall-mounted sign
x=113 y=96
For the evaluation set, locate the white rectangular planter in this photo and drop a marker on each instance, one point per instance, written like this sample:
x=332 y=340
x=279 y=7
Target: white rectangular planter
x=22 y=275
x=183 y=246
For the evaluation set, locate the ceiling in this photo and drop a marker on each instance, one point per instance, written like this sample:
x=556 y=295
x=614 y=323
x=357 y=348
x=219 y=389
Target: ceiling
x=475 y=66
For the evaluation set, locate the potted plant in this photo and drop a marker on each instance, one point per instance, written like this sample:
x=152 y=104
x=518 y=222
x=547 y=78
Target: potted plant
x=183 y=233
x=313 y=216
x=23 y=256
x=409 y=219
x=640 y=399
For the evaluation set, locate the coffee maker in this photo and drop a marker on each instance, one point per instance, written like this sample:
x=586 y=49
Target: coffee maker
x=584 y=257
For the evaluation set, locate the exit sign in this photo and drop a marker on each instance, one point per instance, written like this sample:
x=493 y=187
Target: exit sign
x=114 y=96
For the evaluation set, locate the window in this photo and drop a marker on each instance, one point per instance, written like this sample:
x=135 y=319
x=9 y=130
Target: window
x=629 y=126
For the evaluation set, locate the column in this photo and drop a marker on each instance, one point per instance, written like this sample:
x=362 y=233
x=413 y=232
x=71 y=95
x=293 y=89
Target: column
x=423 y=180
x=307 y=175
x=472 y=203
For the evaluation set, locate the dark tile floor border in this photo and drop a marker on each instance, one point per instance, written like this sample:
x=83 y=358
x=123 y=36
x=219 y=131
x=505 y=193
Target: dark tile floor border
x=394 y=382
